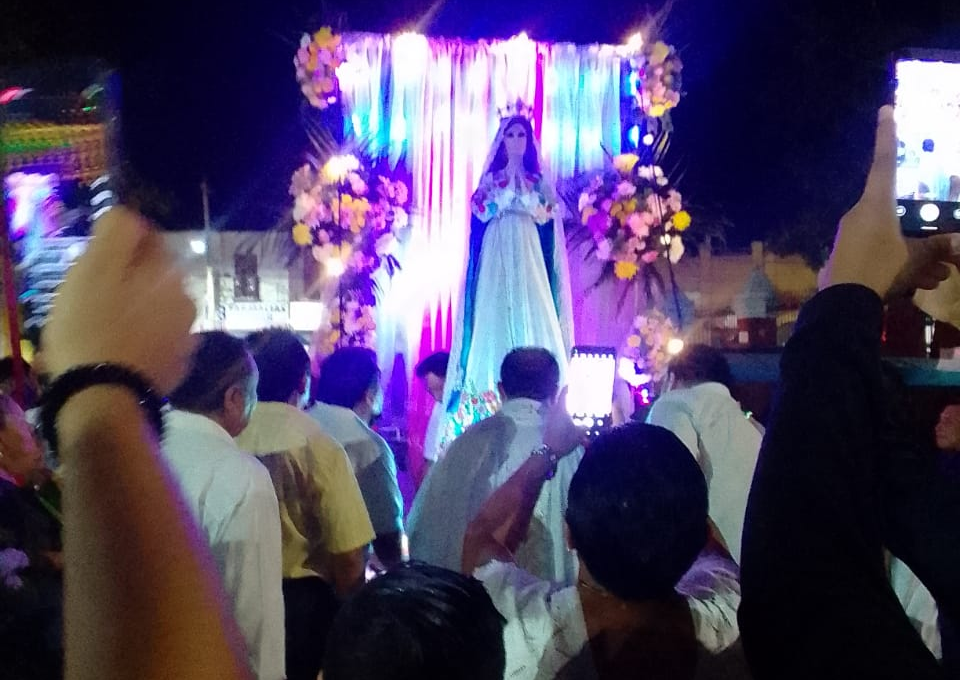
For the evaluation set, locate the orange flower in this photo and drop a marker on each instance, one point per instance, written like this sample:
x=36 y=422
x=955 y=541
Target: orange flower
x=634 y=341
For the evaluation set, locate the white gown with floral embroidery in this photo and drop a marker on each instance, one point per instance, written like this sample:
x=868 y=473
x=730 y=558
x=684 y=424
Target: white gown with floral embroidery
x=514 y=304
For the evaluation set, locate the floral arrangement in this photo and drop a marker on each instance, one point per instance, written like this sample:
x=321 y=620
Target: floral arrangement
x=633 y=217
x=316 y=64
x=352 y=230
x=645 y=356
x=658 y=68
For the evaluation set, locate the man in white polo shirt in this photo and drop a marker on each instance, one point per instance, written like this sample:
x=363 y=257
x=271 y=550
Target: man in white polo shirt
x=725 y=441
x=230 y=492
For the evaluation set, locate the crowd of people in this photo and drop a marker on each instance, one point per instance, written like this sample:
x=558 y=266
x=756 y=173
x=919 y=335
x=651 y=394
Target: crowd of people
x=253 y=525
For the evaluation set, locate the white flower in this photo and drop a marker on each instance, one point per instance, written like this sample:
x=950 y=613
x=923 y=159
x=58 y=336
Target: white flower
x=676 y=249
x=585 y=200
x=386 y=244
x=626 y=189
x=401 y=220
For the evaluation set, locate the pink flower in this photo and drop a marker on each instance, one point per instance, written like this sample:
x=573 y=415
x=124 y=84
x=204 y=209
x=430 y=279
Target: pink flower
x=650 y=256
x=302 y=181
x=606 y=205
x=604 y=249
x=403 y=194
x=674 y=202
x=637 y=225
x=626 y=189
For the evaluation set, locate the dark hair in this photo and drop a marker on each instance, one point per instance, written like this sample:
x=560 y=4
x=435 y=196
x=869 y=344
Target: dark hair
x=436 y=363
x=701 y=363
x=637 y=511
x=346 y=375
x=417 y=621
x=282 y=361
x=531 y=373
x=928 y=145
x=219 y=362
x=530 y=161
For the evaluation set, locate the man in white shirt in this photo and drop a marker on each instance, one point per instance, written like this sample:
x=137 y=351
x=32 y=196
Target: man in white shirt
x=725 y=442
x=483 y=458
x=229 y=492
x=433 y=372
x=350 y=398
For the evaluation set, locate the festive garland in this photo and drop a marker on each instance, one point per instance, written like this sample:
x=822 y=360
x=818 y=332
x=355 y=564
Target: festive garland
x=316 y=64
x=352 y=232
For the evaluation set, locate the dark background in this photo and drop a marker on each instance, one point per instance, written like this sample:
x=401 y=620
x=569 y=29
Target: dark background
x=773 y=134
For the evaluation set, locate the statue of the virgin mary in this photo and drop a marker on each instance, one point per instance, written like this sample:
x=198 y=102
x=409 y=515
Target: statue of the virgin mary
x=517 y=287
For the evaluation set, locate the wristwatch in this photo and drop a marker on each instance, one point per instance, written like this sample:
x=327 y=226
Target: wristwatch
x=551 y=457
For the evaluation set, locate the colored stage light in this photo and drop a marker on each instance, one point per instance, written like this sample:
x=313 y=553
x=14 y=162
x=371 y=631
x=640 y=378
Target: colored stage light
x=198 y=246
x=633 y=134
x=674 y=346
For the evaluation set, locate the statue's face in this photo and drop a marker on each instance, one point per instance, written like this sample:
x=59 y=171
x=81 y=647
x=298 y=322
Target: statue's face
x=515 y=141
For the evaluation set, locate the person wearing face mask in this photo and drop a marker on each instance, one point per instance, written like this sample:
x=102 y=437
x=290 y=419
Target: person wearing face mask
x=325 y=527
x=349 y=400
x=229 y=492
x=31 y=585
x=517 y=287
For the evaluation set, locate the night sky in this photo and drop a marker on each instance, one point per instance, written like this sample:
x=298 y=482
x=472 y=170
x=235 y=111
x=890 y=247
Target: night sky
x=772 y=136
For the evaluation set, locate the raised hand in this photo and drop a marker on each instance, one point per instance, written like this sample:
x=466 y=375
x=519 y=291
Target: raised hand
x=123 y=302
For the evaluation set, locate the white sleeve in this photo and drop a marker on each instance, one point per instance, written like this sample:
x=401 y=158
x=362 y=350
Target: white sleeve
x=248 y=553
x=431 y=440
x=712 y=589
x=523 y=600
x=674 y=416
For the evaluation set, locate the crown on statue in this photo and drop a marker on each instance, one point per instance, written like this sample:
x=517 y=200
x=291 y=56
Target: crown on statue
x=517 y=108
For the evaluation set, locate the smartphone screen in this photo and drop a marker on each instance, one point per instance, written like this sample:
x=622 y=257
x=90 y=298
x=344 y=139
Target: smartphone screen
x=590 y=387
x=927 y=99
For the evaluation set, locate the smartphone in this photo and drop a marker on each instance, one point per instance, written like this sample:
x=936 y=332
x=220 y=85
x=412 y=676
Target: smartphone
x=590 y=387
x=927 y=104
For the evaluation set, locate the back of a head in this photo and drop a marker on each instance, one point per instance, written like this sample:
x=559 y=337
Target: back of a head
x=530 y=373
x=346 y=375
x=700 y=364
x=436 y=363
x=417 y=621
x=637 y=511
x=219 y=361
x=282 y=361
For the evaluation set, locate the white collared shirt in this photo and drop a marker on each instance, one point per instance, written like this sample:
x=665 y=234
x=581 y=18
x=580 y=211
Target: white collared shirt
x=233 y=502
x=725 y=443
